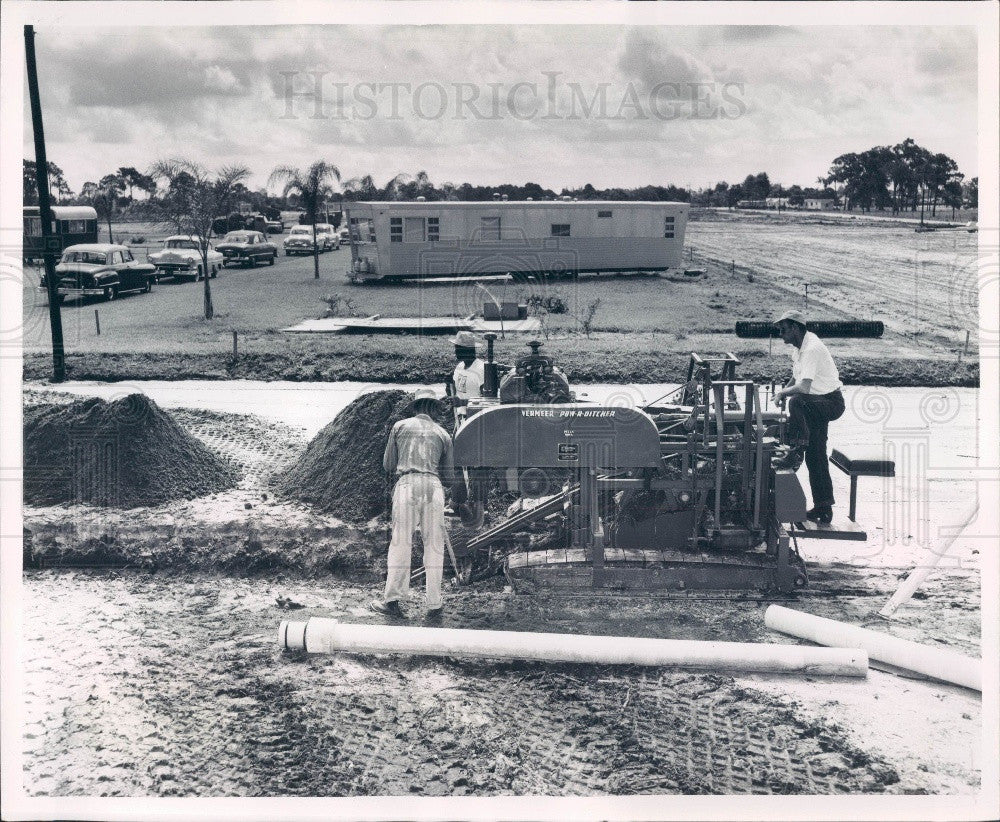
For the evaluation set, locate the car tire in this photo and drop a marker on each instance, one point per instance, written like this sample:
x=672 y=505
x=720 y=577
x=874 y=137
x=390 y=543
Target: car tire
x=251 y=262
x=199 y=274
x=272 y=258
x=214 y=272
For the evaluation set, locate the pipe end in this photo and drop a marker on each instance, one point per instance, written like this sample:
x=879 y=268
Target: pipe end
x=292 y=635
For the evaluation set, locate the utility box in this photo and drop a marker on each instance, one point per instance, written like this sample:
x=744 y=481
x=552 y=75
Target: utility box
x=506 y=311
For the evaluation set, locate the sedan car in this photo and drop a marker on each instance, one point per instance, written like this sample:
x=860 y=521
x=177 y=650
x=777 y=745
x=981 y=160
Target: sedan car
x=101 y=270
x=275 y=227
x=300 y=240
x=181 y=259
x=247 y=248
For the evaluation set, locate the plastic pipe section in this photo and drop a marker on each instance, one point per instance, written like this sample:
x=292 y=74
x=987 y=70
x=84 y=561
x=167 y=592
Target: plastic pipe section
x=938 y=663
x=324 y=636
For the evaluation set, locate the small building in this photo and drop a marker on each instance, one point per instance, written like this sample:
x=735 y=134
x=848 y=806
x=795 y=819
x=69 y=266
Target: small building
x=547 y=238
x=777 y=202
x=819 y=204
x=71 y=225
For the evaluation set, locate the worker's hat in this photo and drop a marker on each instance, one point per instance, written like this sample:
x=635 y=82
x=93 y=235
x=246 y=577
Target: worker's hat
x=793 y=315
x=464 y=339
x=422 y=395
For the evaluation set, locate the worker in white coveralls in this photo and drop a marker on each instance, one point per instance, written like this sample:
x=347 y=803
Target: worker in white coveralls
x=814 y=401
x=467 y=379
x=419 y=453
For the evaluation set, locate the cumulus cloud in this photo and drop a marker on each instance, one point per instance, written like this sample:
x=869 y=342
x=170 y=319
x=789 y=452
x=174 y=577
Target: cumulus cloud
x=573 y=103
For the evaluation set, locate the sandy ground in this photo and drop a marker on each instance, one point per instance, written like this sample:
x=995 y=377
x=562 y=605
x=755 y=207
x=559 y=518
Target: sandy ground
x=171 y=683
x=926 y=284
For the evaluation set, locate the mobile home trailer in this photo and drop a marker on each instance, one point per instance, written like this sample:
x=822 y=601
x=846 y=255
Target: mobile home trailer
x=545 y=238
x=70 y=225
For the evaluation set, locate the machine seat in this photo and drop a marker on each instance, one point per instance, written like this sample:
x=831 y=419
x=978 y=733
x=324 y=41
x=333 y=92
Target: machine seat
x=866 y=464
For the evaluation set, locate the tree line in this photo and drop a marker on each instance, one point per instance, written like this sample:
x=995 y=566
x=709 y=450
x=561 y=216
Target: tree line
x=898 y=178
x=902 y=177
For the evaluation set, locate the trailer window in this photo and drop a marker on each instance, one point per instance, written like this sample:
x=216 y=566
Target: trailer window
x=395 y=229
x=560 y=229
x=413 y=230
x=603 y=215
x=75 y=226
x=33 y=226
x=433 y=229
x=668 y=227
x=490 y=229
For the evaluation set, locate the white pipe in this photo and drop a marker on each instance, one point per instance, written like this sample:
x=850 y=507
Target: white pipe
x=324 y=636
x=917 y=576
x=938 y=663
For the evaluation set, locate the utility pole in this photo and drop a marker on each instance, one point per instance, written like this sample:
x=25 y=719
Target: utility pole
x=45 y=210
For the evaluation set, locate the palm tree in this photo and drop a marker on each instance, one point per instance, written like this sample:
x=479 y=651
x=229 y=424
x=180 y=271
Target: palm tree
x=363 y=188
x=312 y=186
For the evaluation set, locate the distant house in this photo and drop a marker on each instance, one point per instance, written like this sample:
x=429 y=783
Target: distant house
x=819 y=204
x=751 y=204
x=777 y=202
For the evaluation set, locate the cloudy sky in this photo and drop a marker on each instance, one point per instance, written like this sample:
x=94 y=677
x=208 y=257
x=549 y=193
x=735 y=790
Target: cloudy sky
x=556 y=105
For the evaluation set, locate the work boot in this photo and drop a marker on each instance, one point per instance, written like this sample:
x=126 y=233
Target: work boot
x=791 y=460
x=389 y=609
x=820 y=513
x=434 y=615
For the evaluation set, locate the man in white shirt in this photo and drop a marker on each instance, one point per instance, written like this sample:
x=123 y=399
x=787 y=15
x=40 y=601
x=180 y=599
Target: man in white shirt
x=469 y=374
x=419 y=454
x=814 y=401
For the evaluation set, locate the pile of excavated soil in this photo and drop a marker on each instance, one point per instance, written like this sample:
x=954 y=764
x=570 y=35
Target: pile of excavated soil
x=122 y=454
x=341 y=470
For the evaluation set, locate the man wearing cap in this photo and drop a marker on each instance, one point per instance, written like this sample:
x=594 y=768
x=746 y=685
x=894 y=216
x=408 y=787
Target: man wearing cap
x=814 y=401
x=419 y=454
x=469 y=373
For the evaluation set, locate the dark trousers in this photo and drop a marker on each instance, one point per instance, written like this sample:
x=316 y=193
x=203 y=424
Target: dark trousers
x=809 y=417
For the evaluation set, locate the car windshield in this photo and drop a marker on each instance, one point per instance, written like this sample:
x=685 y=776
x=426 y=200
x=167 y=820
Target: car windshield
x=304 y=231
x=237 y=237
x=182 y=244
x=91 y=257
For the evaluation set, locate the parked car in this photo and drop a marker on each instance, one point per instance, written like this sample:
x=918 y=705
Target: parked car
x=328 y=236
x=344 y=235
x=247 y=248
x=181 y=259
x=275 y=227
x=101 y=270
x=300 y=240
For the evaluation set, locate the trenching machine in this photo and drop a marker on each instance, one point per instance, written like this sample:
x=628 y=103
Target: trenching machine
x=679 y=494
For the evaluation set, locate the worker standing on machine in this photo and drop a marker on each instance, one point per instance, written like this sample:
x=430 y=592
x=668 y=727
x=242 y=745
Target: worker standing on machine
x=467 y=380
x=814 y=401
x=419 y=453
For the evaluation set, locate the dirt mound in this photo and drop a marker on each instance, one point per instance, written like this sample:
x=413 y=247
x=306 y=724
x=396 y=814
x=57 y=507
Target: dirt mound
x=341 y=470
x=122 y=454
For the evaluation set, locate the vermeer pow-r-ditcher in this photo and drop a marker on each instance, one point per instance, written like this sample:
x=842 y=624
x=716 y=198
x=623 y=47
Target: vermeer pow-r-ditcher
x=679 y=494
